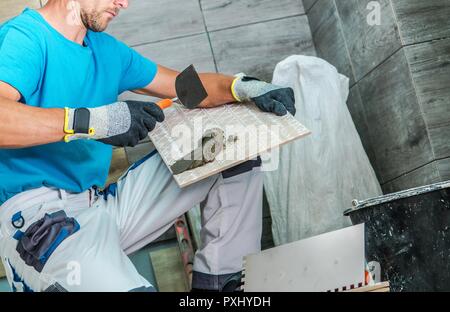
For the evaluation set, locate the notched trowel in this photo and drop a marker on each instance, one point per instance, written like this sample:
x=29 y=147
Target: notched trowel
x=189 y=88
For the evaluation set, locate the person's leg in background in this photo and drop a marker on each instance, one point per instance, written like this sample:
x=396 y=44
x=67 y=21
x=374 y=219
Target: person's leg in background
x=146 y=201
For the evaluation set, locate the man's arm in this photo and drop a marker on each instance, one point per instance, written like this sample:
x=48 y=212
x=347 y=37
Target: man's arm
x=119 y=124
x=224 y=89
x=218 y=87
x=23 y=125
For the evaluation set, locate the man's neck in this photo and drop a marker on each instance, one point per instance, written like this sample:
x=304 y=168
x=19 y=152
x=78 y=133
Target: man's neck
x=65 y=20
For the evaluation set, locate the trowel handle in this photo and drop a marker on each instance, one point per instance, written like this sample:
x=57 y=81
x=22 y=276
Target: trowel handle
x=165 y=103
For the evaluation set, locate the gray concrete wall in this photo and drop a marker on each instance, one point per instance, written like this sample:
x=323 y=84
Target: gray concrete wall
x=400 y=76
x=10 y=8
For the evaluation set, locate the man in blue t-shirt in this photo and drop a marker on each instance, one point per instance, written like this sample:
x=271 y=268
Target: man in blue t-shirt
x=60 y=77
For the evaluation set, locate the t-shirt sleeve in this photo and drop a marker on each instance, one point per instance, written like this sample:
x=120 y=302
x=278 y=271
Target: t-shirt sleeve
x=137 y=71
x=20 y=60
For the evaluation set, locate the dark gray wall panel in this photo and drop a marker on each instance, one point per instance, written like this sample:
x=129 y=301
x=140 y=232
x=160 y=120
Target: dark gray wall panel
x=179 y=53
x=152 y=20
x=308 y=4
x=221 y=14
x=356 y=108
x=403 y=78
x=368 y=45
x=423 y=20
x=428 y=174
x=444 y=169
x=196 y=50
x=430 y=67
x=328 y=37
x=321 y=13
x=266 y=237
x=397 y=129
x=256 y=49
x=11 y=8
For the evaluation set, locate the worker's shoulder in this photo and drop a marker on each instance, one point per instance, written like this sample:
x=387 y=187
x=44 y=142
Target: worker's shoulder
x=104 y=38
x=23 y=25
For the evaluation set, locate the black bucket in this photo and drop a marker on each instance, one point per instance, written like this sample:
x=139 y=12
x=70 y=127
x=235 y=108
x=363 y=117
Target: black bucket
x=408 y=233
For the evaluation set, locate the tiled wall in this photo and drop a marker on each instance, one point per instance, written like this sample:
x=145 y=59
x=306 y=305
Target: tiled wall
x=400 y=81
x=10 y=8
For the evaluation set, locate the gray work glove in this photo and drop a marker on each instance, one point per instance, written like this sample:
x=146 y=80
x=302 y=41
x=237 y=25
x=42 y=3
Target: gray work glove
x=118 y=124
x=268 y=97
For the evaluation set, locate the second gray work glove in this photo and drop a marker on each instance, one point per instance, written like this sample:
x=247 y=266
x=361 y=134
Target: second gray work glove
x=268 y=97
x=119 y=124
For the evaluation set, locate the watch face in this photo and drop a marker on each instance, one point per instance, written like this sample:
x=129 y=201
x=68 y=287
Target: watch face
x=81 y=120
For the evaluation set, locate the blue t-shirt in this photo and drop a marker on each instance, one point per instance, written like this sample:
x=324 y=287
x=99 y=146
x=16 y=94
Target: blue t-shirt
x=51 y=71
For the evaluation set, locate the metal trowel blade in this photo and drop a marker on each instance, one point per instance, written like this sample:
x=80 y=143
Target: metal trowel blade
x=190 y=89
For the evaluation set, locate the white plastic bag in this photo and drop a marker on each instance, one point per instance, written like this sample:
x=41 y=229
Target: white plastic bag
x=319 y=176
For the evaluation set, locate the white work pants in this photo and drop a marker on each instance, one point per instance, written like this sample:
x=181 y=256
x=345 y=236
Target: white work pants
x=105 y=227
